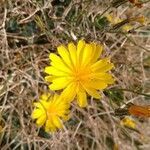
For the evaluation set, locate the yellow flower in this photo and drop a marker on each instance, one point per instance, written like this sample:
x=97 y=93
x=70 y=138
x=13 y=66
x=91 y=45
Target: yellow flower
x=140 y=19
x=128 y=122
x=115 y=20
x=77 y=70
x=112 y=19
x=50 y=111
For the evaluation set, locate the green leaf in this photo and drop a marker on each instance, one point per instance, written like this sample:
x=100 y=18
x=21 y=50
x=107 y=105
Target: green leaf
x=44 y=134
x=101 y=22
x=12 y=25
x=110 y=142
x=115 y=95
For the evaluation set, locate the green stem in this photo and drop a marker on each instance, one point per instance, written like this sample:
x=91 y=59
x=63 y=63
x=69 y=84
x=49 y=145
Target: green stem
x=128 y=90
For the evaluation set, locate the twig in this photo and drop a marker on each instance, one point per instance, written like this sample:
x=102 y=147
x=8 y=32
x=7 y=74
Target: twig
x=27 y=18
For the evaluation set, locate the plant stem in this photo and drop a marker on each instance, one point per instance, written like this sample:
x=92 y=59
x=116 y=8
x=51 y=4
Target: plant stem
x=128 y=90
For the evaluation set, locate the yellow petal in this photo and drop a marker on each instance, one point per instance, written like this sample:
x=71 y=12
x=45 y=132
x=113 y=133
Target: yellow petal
x=61 y=103
x=45 y=96
x=36 y=113
x=97 y=50
x=80 y=49
x=106 y=68
x=59 y=83
x=63 y=52
x=99 y=64
x=40 y=121
x=110 y=18
x=56 y=98
x=56 y=122
x=102 y=65
x=97 y=84
x=53 y=71
x=93 y=52
x=44 y=104
x=54 y=57
x=73 y=53
x=87 y=54
x=104 y=77
x=69 y=92
x=94 y=93
x=82 y=99
x=38 y=105
x=63 y=112
x=127 y=28
x=128 y=122
x=49 y=78
x=49 y=127
x=61 y=66
x=57 y=62
x=66 y=117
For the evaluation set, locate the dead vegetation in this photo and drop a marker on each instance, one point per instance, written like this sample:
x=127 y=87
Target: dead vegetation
x=30 y=30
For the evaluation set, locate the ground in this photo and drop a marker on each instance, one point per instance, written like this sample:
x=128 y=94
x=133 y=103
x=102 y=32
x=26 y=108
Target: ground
x=31 y=30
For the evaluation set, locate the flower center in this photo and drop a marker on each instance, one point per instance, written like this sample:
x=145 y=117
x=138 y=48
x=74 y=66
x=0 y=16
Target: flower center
x=81 y=74
x=51 y=111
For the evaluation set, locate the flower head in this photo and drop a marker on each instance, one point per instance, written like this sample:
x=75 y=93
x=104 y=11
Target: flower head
x=50 y=111
x=77 y=71
x=128 y=122
x=140 y=19
x=119 y=22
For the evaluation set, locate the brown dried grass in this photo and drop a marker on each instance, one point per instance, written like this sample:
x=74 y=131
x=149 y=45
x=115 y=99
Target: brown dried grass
x=22 y=60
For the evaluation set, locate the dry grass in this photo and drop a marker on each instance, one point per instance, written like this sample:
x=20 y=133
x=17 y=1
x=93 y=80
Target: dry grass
x=29 y=31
